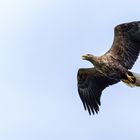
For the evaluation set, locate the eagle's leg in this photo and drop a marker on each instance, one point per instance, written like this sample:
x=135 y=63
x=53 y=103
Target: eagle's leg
x=128 y=77
x=126 y=81
x=131 y=78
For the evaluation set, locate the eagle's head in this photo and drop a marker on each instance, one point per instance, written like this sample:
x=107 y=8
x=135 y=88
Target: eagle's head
x=91 y=58
x=88 y=57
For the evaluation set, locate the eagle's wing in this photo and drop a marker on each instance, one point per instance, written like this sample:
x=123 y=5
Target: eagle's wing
x=91 y=83
x=126 y=45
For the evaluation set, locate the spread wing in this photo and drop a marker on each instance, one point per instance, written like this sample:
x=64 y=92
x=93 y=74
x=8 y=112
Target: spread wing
x=91 y=83
x=126 y=45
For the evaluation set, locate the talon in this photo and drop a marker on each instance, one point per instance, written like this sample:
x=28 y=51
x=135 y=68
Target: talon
x=131 y=78
x=125 y=81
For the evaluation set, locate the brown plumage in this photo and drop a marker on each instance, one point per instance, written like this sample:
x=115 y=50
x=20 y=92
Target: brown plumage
x=112 y=67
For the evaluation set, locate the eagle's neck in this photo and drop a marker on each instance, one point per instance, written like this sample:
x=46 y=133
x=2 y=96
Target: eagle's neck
x=94 y=60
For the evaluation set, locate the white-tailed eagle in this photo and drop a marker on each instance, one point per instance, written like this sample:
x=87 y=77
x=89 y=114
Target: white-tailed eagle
x=112 y=67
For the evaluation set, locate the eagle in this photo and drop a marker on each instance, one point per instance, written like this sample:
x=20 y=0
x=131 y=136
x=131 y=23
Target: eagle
x=112 y=67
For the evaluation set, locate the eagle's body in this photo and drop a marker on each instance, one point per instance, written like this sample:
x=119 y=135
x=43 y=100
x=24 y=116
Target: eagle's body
x=112 y=67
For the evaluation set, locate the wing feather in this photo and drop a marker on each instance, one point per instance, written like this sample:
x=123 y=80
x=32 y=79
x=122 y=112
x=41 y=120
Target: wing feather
x=91 y=83
x=126 y=44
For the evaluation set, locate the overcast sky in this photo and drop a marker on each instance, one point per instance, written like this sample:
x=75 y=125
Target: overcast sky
x=41 y=43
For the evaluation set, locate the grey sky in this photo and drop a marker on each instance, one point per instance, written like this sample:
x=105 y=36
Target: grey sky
x=41 y=43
